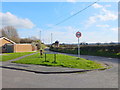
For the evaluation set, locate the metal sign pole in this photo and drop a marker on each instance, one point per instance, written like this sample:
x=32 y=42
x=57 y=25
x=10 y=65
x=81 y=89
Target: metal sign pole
x=78 y=35
x=78 y=48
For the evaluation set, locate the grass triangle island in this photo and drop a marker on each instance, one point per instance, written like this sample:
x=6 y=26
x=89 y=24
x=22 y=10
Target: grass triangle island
x=61 y=61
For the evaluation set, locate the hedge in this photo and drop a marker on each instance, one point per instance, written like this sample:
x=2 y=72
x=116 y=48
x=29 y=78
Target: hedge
x=97 y=50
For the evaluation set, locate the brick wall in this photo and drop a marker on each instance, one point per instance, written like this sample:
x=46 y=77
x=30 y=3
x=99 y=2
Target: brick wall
x=23 y=48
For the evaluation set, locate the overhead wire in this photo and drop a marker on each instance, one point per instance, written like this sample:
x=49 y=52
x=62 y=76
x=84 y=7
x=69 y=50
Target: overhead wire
x=76 y=13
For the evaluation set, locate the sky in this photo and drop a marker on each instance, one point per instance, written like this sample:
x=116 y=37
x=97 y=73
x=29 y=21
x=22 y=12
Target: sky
x=98 y=23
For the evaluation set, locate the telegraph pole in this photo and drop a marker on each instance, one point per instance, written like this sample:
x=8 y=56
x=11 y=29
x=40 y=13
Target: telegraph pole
x=40 y=35
x=40 y=39
x=51 y=38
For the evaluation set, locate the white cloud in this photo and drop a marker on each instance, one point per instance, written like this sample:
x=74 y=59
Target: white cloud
x=8 y=19
x=103 y=15
x=97 y=5
x=64 y=34
x=114 y=29
x=107 y=5
x=71 y=0
x=107 y=15
x=100 y=36
x=100 y=6
x=102 y=26
x=91 y=20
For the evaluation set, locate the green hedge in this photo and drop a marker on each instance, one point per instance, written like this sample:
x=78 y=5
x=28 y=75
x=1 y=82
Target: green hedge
x=99 y=50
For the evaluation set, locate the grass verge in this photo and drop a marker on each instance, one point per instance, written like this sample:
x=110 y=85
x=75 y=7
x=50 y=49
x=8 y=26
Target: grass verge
x=10 y=56
x=61 y=60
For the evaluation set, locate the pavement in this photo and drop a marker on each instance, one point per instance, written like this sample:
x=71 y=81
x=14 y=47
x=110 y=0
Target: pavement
x=40 y=68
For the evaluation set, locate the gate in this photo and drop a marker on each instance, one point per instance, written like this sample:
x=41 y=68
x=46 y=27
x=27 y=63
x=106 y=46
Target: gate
x=9 y=48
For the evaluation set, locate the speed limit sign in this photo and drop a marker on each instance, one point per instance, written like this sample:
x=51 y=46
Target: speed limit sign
x=78 y=34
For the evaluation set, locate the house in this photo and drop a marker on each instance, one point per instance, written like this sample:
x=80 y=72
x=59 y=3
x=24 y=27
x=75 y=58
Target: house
x=8 y=46
x=3 y=43
x=56 y=44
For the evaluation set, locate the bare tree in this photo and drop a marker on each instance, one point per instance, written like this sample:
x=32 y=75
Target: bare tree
x=11 y=33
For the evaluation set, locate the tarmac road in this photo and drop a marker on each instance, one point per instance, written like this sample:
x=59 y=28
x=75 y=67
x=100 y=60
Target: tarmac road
x=93 y=79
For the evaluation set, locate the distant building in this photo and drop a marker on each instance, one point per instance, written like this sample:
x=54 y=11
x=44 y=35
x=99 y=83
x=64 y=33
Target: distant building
x=56 y=44
x=8 y=46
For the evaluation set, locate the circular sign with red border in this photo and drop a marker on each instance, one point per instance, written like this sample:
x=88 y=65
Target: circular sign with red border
x=78 y=34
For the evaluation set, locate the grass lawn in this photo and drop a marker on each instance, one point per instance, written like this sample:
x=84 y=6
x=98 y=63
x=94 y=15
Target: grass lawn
x=10 y=56
x=62 y=60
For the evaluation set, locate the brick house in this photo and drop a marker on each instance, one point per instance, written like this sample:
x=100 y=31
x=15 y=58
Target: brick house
x=8 y=46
